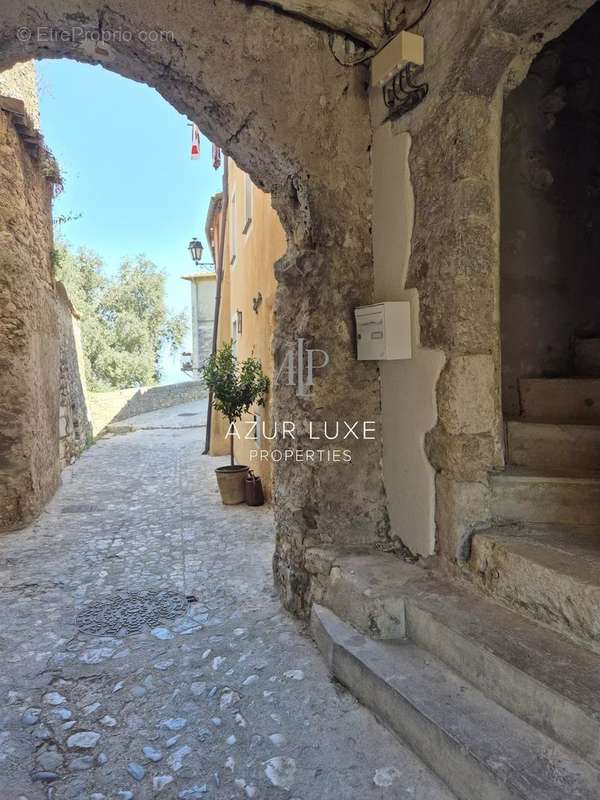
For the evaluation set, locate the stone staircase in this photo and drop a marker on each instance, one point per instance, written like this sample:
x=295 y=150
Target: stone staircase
x=498 y=692
x=496 y=705
x=543 y=555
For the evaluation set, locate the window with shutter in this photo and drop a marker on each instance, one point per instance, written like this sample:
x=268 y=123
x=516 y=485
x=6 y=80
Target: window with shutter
x=258 y=429
x=247 y=203
x=233 y=229
x=234 y=334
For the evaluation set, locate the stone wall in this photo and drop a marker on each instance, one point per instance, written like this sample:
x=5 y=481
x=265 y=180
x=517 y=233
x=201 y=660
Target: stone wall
x=29 y=363
x=120 y=404
x=21 y=82
x=75 y=426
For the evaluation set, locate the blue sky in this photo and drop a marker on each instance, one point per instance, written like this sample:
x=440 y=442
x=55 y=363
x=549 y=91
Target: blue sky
x=124 y=153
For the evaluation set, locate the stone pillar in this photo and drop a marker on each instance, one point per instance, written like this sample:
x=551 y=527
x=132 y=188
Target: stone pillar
x=455 y=256
x=321 y=280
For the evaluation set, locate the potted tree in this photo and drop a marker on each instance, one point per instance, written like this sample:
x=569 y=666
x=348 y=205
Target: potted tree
x=235 y=388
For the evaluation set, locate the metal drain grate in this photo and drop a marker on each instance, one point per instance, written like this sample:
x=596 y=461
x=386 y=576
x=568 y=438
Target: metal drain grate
x=78 y=508
x=131 y=612
x=189 y=414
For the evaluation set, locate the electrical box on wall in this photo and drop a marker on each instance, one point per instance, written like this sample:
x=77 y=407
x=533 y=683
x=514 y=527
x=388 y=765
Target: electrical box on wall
x=383 y=331
x=405 y=48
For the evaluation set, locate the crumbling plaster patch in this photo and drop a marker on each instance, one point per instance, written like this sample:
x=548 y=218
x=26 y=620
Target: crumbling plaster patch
x=407 y=387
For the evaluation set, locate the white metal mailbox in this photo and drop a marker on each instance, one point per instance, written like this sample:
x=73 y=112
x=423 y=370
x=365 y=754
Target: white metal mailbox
x=383 y=331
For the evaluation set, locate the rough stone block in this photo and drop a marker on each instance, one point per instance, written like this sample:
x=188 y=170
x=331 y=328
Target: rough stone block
x=359 y=590
x=463 y=457
x=461 y=508
x=466 y=395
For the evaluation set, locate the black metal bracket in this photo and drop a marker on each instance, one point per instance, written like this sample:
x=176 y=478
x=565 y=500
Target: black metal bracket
x=401 y=94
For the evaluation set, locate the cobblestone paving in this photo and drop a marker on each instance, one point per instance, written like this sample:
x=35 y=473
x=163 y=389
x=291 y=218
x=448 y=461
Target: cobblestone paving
x=225 y=697
x=185 y=415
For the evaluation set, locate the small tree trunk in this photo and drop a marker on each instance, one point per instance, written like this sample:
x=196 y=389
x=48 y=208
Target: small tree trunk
x=231 y=450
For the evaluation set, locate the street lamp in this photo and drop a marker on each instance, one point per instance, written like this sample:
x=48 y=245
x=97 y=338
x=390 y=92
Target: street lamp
x=196 y=249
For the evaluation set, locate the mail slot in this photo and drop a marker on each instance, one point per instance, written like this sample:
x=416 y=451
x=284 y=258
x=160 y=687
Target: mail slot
x=383 y=331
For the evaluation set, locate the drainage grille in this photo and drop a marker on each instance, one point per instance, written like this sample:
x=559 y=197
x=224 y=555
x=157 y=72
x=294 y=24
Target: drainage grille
x=79 y=508
x=131 y=612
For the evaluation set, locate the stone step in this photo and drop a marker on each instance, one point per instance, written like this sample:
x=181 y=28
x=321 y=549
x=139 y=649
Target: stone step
x=478 y=748
x=367 y=590
x=552 y=572
x=537 y=674
x=548 y=445
x=520 y=494
x=560 y=398
x=587 y=357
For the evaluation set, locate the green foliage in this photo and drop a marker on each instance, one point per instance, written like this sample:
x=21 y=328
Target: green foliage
x=235 y=387
x=51 y=171
x=62 y=219
x=125 y=322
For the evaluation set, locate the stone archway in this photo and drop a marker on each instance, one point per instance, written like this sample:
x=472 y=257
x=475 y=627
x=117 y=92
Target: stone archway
x=267 y=88
x=270 y=87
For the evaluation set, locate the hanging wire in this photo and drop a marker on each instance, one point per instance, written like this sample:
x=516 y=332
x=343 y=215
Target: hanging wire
x=423 y=15
x=369 y=53
x=351 y=62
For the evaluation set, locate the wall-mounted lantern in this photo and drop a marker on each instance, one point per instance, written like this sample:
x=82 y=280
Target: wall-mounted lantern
x=196 y=249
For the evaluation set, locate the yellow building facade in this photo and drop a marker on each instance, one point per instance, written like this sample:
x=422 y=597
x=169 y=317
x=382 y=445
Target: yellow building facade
x=253 y=241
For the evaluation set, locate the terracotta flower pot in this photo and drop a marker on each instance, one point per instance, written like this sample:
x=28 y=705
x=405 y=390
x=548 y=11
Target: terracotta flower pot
x=232 y=484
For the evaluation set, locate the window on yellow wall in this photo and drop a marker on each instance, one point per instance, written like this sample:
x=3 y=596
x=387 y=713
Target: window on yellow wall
x=234 y=333
x=233 y=229
x=247 y=203
x=257 y=429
